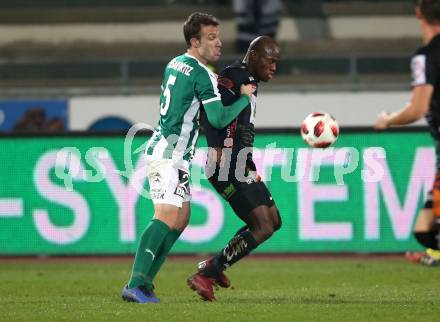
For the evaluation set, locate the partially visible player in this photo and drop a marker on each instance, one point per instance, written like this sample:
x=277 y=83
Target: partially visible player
x=187 y=86
x=425 y=101
x=236 y=179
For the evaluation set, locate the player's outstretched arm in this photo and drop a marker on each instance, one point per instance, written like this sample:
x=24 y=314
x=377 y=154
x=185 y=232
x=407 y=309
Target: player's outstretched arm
x=412 y=112
x=219 y=115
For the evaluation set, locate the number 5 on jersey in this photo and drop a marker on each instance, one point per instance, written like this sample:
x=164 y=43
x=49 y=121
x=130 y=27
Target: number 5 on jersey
x=167 y=95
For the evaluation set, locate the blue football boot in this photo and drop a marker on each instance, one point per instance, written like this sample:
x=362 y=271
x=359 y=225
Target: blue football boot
x=139 y=294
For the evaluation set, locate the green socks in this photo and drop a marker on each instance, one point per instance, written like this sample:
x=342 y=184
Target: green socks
x=167 y=244
x=151 y=241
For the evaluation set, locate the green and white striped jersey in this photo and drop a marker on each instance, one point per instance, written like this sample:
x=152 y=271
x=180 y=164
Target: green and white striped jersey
x=187 y=84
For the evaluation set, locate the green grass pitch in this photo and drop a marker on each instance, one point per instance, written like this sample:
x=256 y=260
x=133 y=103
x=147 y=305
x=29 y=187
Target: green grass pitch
x=264 y=289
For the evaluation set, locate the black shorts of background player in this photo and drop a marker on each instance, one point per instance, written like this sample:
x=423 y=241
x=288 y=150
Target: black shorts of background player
x=232 y=172
x=425 y=101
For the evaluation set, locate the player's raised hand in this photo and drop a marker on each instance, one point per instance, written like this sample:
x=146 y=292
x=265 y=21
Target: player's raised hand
x=247 y=89
x=382 y=122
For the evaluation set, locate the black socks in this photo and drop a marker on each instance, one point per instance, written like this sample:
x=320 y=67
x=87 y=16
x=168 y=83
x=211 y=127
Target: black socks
x=237 y=248
x=428 y=239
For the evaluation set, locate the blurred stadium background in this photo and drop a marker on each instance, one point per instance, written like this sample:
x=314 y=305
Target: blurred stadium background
x=73 y=50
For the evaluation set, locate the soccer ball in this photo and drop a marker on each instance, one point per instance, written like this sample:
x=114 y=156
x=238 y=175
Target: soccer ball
x=319 y=130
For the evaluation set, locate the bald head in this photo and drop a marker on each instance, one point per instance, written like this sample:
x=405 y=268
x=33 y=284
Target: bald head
x=262 y=56
x=263 y=44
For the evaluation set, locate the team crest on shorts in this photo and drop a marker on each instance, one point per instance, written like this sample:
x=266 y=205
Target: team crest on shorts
x=156 y=191
x=155 y=177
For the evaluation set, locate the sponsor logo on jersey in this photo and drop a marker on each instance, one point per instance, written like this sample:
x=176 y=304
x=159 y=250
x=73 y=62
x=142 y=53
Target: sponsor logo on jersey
x=225 y=82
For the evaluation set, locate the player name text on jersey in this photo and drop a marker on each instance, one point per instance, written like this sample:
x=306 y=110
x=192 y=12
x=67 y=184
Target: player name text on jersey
x=180 y=67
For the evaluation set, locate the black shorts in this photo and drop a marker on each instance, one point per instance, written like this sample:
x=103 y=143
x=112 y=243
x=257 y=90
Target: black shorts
x=243 y=196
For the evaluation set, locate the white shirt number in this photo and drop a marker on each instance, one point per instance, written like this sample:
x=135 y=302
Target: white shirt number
x=167 y=94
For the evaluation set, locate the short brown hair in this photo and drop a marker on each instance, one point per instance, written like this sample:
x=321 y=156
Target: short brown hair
x=430 y=10
x=193 y=25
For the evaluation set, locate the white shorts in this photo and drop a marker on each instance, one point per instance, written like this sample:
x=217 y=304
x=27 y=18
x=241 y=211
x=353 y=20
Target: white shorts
x=169 y=183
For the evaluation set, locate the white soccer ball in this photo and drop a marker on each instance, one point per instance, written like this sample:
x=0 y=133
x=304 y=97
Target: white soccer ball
x=319 y=130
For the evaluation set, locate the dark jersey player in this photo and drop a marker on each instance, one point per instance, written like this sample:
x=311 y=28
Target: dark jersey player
x=231 y=170
x=425 y=101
